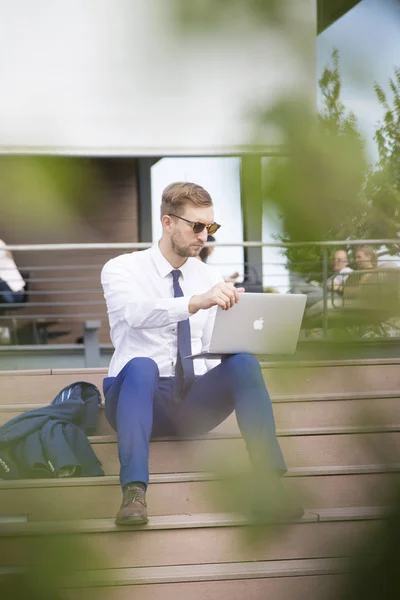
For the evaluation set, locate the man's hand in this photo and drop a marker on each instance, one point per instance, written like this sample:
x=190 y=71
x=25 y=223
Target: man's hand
x=223 y=294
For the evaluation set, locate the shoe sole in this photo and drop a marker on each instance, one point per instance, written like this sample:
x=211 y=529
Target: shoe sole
x=131 y=521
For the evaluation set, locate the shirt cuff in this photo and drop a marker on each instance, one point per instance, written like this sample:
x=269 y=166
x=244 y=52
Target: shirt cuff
x=180 y=308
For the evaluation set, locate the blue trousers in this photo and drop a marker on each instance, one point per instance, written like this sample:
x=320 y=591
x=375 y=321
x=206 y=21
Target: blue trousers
x=140 y=405
x=8 y=296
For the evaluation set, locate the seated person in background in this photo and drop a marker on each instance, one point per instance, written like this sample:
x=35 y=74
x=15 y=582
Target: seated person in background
x=341 y=269
x=315 y=293
x=366 y=260
x=205 y=253
x=251 y=281
x=11 y=283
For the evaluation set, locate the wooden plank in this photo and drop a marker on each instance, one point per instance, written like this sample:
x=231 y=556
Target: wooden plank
x=301 y=587
x=227 y=453
x=287 y=381
x=100 y=498
x=332 y=379
x=178 y=545
x=298 y=414
x=33 y=388
x=220 y=572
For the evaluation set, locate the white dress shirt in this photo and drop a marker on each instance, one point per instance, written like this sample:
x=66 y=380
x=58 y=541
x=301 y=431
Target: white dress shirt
x=9 y=270
x=143 y=312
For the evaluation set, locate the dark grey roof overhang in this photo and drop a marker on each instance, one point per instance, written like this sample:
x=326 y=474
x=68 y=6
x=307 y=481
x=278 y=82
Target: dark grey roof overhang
x=329 y=11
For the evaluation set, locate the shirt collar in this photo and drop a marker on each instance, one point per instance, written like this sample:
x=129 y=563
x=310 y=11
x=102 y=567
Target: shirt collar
x=163 y=267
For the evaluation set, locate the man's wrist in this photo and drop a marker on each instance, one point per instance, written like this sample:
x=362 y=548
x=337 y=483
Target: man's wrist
x=194 y=304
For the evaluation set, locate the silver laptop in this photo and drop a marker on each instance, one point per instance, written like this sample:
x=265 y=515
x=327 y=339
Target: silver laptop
x=258 y=324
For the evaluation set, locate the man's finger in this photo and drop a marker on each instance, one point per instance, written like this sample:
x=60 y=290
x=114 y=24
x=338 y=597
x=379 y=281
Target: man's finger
x=225 y=298
x=232 y=300
x=231 y=295
x=236 y=295
x=220 y=302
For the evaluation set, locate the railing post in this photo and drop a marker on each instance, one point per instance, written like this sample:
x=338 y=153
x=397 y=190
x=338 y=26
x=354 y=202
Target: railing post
x=91 y=342
x=252 y=210
x=325 y=291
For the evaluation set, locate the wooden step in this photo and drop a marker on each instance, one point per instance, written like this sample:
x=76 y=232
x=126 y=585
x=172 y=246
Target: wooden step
x=224 y=448
x=300 y=447
x=339 y=457
x=197 y=539
x=301 y=412
x=301 y=587
x=191 y=493
x=301 y=378
x=40 y=386
x=306 y=579
x=233 y=571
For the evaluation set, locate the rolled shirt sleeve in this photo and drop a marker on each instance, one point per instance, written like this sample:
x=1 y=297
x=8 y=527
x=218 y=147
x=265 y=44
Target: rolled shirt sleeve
x=125 y=300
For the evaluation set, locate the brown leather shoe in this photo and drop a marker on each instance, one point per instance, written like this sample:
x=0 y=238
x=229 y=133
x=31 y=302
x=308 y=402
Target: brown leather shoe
x=133 y=509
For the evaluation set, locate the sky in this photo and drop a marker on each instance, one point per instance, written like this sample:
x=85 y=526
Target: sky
x=368 y=39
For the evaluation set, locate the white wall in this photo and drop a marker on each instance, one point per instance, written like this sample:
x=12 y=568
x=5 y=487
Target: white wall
x=116 y=77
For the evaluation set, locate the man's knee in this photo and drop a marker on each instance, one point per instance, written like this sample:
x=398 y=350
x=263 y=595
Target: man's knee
x=243 y=364
x=141 y=367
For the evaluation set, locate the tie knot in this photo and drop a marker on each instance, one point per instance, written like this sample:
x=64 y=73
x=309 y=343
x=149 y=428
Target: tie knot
x=175 y=275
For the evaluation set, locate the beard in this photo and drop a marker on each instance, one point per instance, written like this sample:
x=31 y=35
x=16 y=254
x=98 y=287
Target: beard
x=184 y=250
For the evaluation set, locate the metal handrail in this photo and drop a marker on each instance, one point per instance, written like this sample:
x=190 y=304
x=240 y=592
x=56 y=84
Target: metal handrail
x=315 y=269
x=144 y=245
x=59 y=317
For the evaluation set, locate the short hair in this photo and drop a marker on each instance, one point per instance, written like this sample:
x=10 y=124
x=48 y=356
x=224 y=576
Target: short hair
x=176 y=195
x=370 y=254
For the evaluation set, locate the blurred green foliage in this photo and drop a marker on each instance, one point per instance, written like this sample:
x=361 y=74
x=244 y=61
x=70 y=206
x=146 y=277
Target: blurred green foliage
x=368 y=210
x=323 y=188
x=42 y=191
x=199 y=14
x=331 y=199
x=382 y=188
x=333 y=115
x=40 y=565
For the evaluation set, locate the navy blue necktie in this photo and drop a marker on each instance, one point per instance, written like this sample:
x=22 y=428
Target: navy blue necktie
x=184 y=372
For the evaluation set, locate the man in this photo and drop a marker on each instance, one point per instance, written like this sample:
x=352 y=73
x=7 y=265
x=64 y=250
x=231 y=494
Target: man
x=161 y=305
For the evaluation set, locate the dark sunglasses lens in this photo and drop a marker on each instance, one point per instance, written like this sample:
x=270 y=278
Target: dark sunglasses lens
x=213 y=228
x=198 y=227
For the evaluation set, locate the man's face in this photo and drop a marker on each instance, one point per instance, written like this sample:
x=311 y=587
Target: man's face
x=339 y=261
x=184 y=241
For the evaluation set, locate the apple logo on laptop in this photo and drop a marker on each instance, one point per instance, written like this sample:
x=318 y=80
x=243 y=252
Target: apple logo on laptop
x=258 y=323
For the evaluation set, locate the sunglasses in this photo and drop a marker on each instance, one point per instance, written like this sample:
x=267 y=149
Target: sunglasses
x=198 y=226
